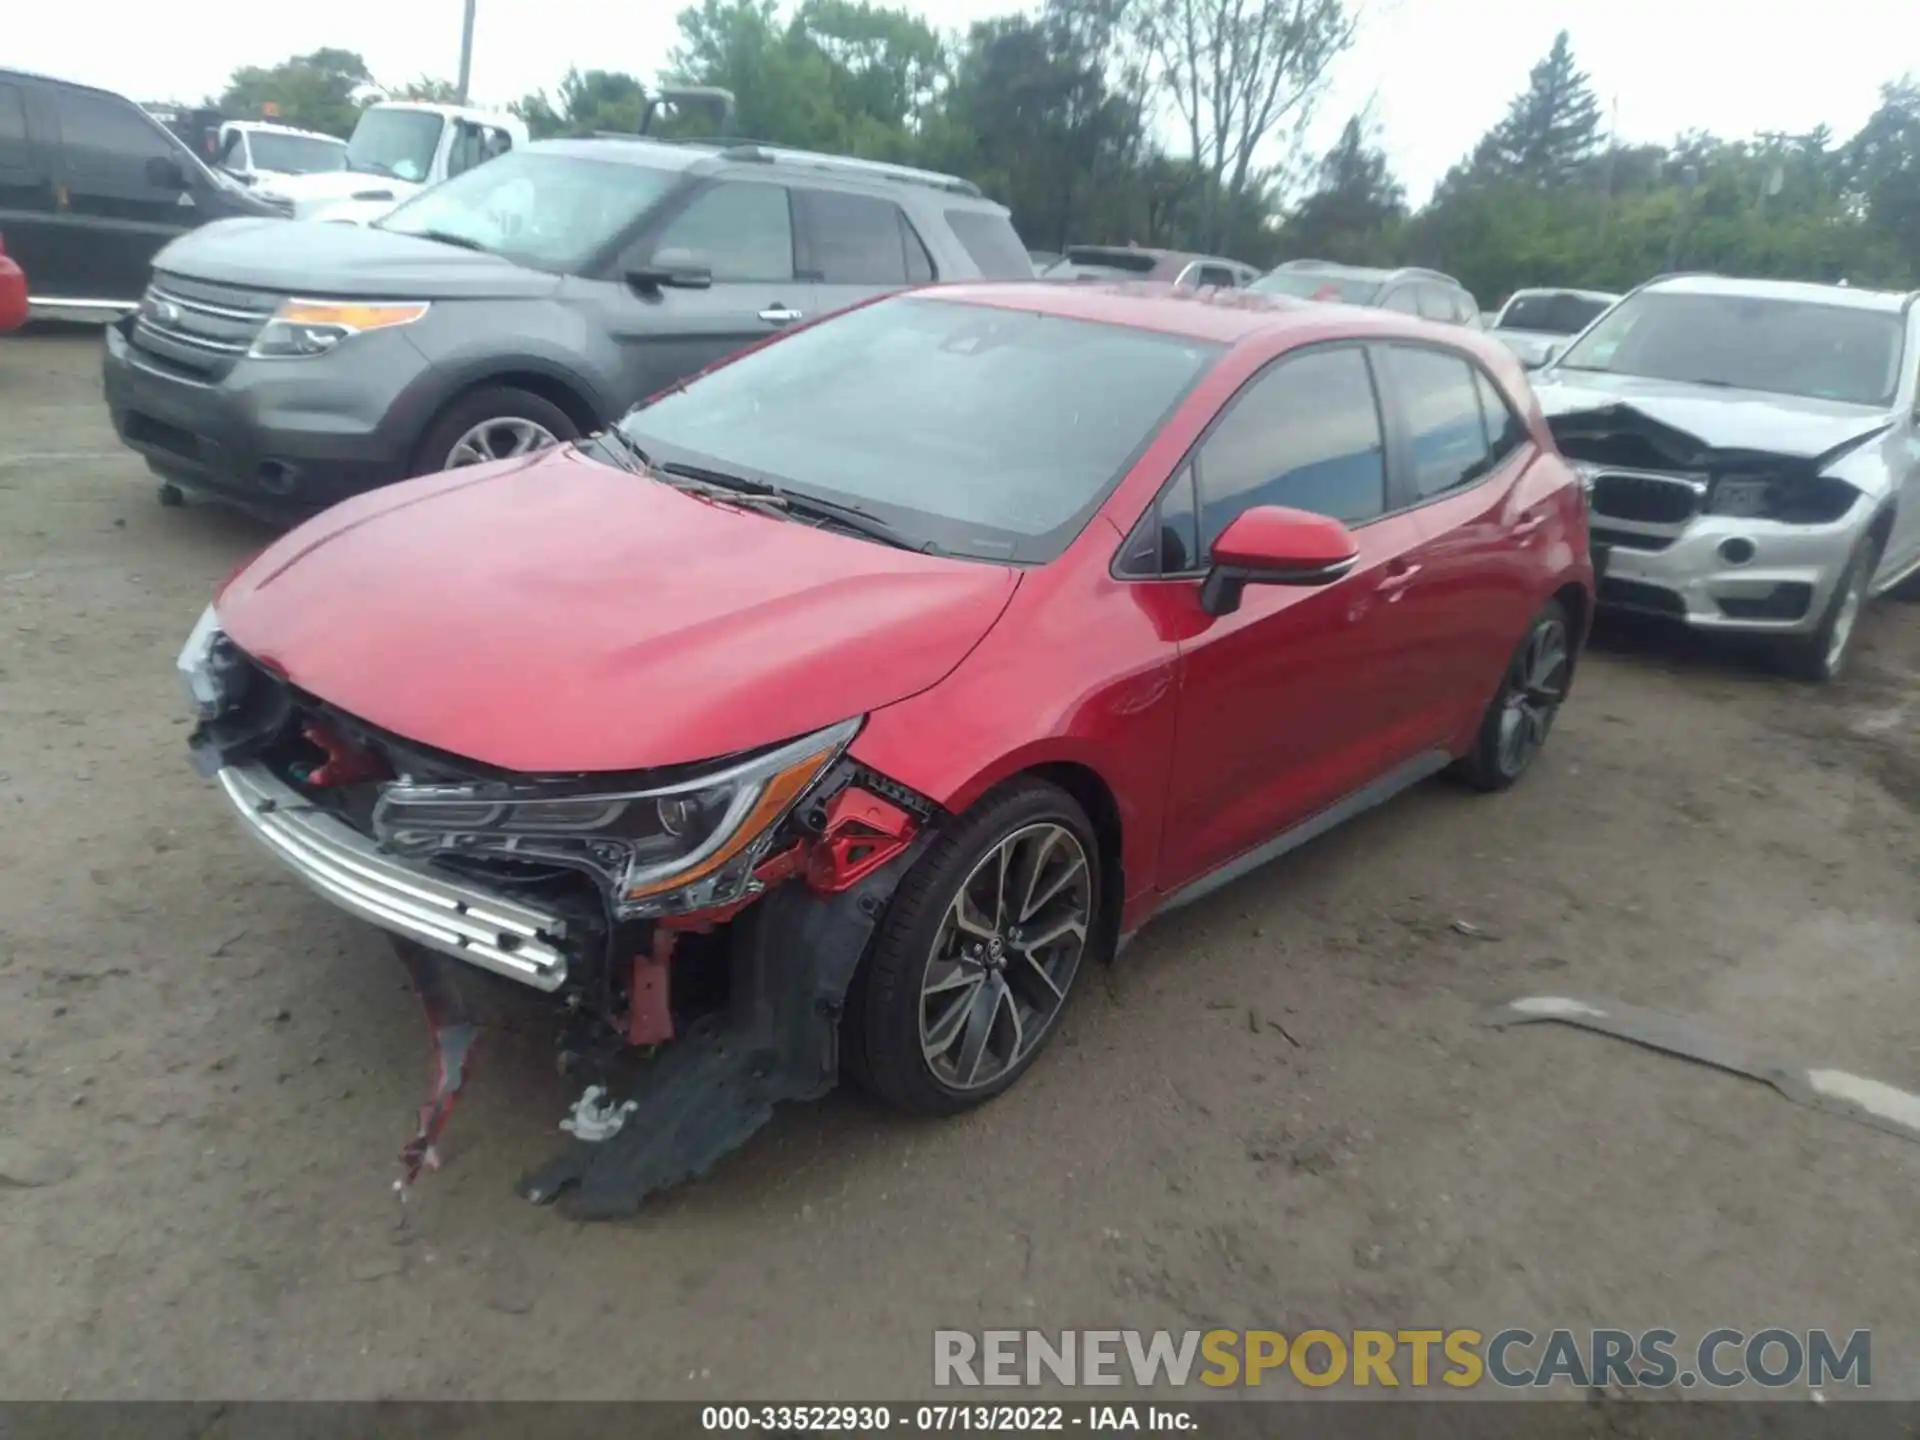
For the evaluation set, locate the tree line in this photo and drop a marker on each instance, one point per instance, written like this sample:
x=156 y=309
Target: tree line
x=1182 y=123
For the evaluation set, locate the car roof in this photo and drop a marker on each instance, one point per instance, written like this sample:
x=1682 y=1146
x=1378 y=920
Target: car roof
x=1226 y=317
x=754 y=156
x=1368 y=272
x=1606 y=295
x=1806 y=291
x=269 y=128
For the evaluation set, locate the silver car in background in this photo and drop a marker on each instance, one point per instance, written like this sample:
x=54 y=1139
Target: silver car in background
x=1536 y=324
x=1751 y=455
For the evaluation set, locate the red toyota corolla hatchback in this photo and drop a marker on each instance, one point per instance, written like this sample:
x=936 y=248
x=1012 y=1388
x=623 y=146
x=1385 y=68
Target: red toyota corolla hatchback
x=836 y=709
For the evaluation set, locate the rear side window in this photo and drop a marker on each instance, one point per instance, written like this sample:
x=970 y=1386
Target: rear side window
x=741 y=230
x=1436 y=303
x=920 y=267
x=857 y=239
x=13 y=128
x=1402 y=300
x=1216 y=275
x=1438 y=395
x=1305 y=434
x=991 y=243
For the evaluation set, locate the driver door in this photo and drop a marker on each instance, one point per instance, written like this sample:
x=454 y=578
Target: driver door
x=742 y=232
x=1297 y=698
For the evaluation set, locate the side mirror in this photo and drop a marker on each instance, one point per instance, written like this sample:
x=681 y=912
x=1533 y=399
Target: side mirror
x=675 y=269
x=165 y=173
x=1272 y=545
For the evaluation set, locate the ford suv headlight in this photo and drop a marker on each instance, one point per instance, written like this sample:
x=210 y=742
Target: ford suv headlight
x=302 y=328
x=657 y=850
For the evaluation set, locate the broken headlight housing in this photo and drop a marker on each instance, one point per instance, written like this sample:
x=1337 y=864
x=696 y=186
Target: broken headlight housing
x=688 y=845
x=211 y=668
x=1790 y=499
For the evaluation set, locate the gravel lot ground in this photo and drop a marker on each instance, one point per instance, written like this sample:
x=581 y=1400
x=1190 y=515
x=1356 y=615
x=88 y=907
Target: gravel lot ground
x=212 y=1071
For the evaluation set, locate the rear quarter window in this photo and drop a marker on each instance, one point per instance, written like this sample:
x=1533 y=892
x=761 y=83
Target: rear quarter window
x=991 y=243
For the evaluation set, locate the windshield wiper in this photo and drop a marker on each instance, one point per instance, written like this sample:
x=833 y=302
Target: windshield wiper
x=757 y=492
x=631 y=457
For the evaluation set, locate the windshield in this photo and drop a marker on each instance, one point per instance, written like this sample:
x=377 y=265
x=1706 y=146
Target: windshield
x=395 y=143
x=1556 y=312
x=545 y=210
x=1318 y=285
x=983 y=432
x=1787 y=347
x=296 y=154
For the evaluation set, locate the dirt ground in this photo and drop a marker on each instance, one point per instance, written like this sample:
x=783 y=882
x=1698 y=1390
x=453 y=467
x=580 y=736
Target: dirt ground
x=205 y=1073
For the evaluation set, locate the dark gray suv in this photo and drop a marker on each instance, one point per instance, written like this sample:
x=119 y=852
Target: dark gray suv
x=536 y=298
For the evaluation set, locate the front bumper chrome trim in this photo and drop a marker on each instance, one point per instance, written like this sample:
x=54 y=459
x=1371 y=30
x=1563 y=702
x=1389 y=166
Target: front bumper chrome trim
x=458 y=919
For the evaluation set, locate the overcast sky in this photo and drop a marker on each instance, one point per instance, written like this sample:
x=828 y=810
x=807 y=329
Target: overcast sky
x=1442 y=70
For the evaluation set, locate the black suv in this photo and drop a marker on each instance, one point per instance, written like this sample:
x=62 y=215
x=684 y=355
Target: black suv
x=91 y=186
x=531 y=300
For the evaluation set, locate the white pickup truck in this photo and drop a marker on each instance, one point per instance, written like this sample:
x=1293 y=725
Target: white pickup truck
x=255 y=152
x=398 y=148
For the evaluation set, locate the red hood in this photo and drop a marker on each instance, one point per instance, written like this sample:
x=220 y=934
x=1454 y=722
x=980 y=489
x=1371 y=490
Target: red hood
x=555 y=614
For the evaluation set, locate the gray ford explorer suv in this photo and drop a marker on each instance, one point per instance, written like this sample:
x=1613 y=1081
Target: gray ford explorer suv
x=285 y=366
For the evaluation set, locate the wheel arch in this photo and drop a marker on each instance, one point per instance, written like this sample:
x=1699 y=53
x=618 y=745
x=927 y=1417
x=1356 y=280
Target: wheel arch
x=578 y=400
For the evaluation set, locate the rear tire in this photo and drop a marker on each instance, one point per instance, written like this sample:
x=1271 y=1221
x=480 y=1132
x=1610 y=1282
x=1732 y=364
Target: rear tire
x=1532 y=689
x=1821 y=658
x=494 y=423
x=966 y=981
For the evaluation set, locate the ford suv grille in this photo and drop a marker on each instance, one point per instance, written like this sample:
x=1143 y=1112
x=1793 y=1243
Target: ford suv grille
x=196 y=329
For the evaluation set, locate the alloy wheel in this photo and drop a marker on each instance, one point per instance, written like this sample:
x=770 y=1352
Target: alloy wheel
x=1005 y=956
x=500 y=438
x=1536 y=686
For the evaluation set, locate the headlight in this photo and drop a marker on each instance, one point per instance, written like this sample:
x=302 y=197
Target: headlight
x=659 y=850
x=312 y=327
x=210 y=667
x=1791 y=499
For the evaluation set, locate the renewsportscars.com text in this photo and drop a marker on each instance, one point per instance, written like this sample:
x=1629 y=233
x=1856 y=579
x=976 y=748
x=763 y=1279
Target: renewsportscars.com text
x=1513 y=1358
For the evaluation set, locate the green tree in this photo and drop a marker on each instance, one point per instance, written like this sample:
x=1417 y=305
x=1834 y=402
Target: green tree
x=1883 y=165
x=313 y=92
x=428 y=88
x=1551 y=129
x=1356 y=208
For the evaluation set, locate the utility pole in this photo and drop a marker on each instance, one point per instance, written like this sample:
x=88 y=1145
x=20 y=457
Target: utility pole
x=466 y=51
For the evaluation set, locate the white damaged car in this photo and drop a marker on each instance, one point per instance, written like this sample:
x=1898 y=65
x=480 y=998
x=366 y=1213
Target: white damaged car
x=1751 y=455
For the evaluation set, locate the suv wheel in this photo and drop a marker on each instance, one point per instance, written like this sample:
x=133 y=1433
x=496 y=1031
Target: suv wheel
x=496 y=423
x=1820 y=657
x=974 y=962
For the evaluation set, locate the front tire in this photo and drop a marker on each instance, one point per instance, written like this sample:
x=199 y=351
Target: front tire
x=494 y=423
x=1532 y=690
x=974 y=962
x=1820 y=658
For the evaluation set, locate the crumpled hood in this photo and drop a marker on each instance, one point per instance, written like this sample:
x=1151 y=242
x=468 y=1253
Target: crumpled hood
x=348 y=261
x=1745 y=420
x=553 y=614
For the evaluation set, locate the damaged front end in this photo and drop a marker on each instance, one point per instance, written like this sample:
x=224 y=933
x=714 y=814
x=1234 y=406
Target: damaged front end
x=696 y=927
x=1720 y=535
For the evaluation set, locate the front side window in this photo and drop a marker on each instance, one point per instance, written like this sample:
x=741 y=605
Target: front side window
x=541 y=209
x=1437 y=396
x=981 y=431
x=107 y=144
x=1306 y=435
x=399 y=144
x=741 y=230
x=1843 y=353
x=233 y=153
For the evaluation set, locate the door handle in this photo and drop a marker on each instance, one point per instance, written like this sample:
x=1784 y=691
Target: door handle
x=779 y=315
x=1396 y=583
